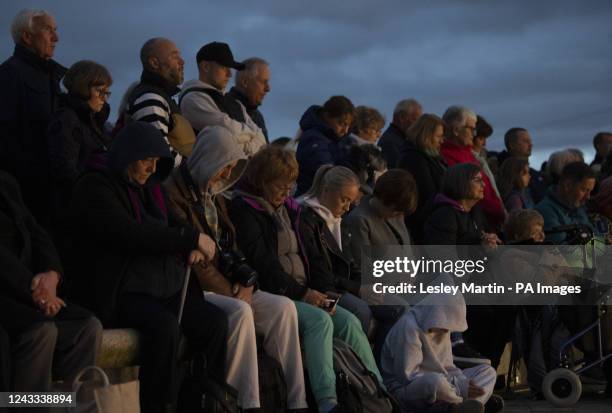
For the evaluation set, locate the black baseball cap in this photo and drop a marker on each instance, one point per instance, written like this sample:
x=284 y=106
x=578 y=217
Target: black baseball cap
x=220 y=53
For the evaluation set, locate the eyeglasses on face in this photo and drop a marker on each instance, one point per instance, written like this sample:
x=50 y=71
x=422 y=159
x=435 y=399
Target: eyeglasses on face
x=102 y=93
x=473 y=130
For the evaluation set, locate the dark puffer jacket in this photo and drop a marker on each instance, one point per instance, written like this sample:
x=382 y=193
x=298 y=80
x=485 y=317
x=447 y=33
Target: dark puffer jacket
x=449 y=224
x=108 y=221
x=258 y=240
x=319 y=145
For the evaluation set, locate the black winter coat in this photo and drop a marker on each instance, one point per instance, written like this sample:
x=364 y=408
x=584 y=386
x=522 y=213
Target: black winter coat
x=106 y=225
x=106 y=234
x=330 y=269
x=25 y=250
x=391 y=143
x=258 y=241
x=448 y=225
x=30 y=90
x=428 y=172
x=74 y=134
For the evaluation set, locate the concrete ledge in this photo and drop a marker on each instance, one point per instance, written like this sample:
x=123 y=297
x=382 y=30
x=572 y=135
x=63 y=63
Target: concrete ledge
x=120 y=348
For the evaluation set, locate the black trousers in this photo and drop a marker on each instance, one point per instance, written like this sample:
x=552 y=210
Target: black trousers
x=203 y=324
x=489 y=329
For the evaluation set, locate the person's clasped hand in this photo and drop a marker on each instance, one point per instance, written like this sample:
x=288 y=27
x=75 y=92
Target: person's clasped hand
x=44 y=293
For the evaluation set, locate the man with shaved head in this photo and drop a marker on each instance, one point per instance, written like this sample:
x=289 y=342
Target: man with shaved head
x=29 y=81
x=151 y=100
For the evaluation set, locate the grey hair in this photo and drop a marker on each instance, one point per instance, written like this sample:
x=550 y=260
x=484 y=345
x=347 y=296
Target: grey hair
x=456 y=116
x=557 y=161
x=406 y=106
x=24 y=21
x=251 y=69
x=333 y=178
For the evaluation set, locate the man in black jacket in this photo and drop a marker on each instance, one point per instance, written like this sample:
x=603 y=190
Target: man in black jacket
x=44 y=331
x=406 y=112
x=252 y=84
x=29 y=81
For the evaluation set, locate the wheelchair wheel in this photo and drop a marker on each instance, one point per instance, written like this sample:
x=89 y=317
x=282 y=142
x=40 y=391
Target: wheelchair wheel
x=562 y=387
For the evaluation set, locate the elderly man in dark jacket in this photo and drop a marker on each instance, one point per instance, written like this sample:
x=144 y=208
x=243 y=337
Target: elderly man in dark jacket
x=44 y=332
x=30 y=86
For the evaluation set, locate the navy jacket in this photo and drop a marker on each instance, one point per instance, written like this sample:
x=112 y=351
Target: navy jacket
x=319 y=145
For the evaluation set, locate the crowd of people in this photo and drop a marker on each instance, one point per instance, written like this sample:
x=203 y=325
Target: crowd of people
x=99 y=221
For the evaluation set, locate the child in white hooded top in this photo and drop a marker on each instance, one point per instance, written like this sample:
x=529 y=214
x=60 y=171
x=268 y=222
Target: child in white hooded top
x=417 y=359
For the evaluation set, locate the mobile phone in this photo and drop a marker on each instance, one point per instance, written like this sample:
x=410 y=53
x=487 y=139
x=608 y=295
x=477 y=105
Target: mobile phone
x=330 y=303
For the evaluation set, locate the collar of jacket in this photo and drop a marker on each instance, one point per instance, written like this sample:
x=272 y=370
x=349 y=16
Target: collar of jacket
x=441 y=199
x=242 y=98
x=552 y=194
x=156 y=80
x=84 y=112
x=290 y=203
x=46 y=65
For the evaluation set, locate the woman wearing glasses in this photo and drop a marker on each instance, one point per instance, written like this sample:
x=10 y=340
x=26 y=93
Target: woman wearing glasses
x=76 y=136
x=457 y=148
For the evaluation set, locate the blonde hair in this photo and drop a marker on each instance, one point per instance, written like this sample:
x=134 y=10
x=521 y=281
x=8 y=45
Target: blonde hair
x=333 y=178
x=422 y=131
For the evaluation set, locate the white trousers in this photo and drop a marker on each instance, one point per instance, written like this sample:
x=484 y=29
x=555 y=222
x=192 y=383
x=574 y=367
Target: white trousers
x=274 y=317
x=436 y=387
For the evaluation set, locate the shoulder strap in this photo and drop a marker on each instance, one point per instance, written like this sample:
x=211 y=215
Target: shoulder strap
x=195 y=89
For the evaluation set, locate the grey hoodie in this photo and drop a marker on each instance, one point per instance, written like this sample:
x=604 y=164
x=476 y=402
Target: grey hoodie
x=215 y=148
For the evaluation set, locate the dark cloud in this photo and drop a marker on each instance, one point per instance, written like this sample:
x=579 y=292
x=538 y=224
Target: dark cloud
x=544 y=65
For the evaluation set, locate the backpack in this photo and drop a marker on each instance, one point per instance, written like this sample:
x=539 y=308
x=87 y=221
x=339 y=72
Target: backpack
x=200 y=393
x=357 y=388
x=272 y=386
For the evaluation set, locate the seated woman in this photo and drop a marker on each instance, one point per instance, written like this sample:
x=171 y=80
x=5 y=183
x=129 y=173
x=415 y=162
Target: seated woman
x=379 y=220
x=457 y=221
x=421 y=157
x=417 y=362
x=129 y=258
x=196 y=196
x=513 y=179
x=76 y=136
x=332 y=270
x=266 y=221
x=456 y=218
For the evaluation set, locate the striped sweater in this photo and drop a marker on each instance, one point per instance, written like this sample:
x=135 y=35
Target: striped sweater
x=151 y=101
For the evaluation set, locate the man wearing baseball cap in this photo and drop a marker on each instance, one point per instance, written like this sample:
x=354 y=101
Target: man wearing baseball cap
x=204 y=102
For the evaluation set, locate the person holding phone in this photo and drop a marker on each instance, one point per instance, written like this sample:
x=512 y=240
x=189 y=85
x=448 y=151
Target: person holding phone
x=266 y=220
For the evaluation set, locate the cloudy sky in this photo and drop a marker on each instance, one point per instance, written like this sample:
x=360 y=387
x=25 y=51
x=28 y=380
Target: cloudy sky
x=543 y=65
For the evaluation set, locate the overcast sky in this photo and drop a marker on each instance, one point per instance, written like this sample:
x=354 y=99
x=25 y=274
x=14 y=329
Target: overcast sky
x=543 y=65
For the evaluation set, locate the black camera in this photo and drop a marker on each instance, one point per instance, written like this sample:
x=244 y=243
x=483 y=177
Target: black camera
x=234 y=267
